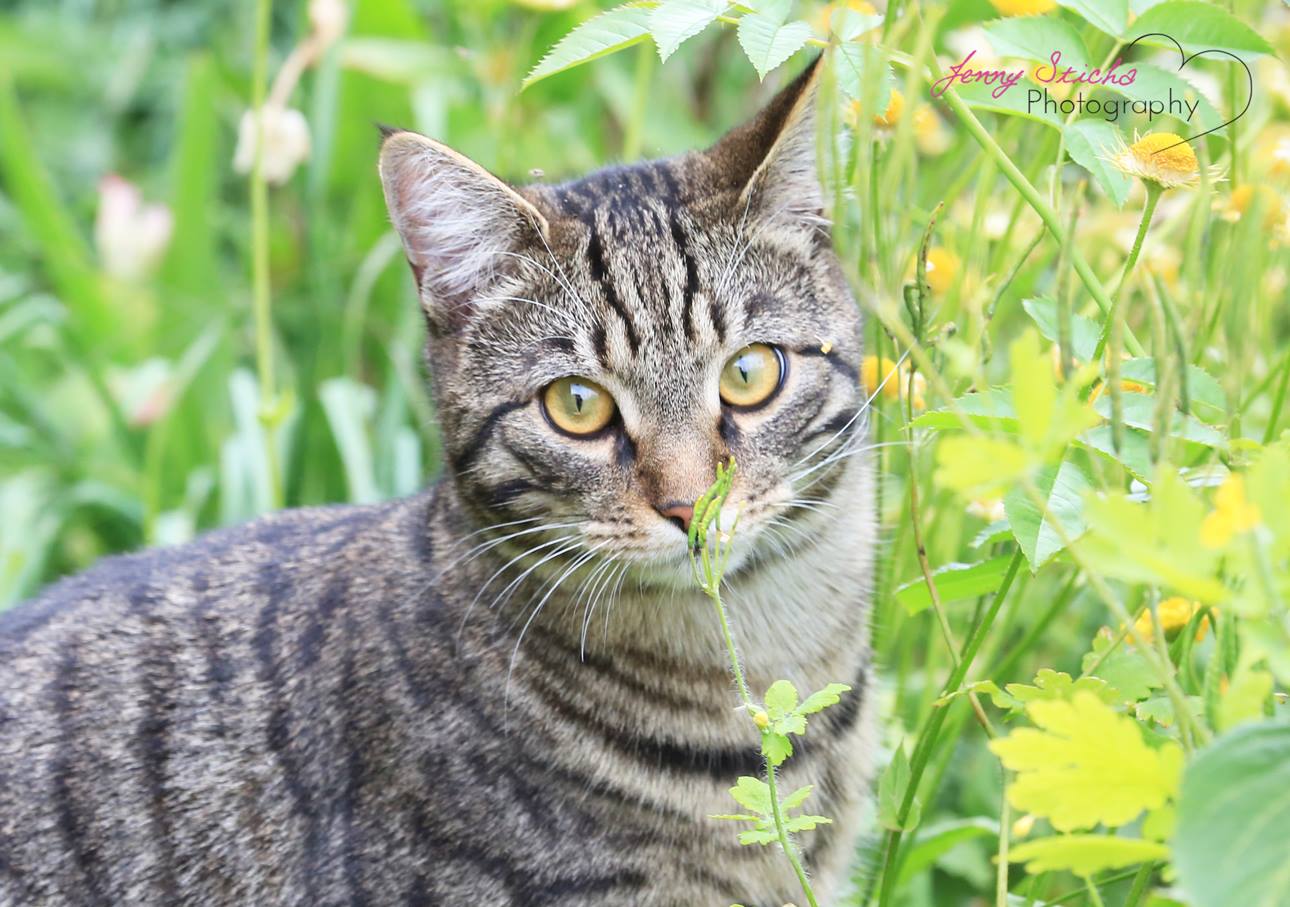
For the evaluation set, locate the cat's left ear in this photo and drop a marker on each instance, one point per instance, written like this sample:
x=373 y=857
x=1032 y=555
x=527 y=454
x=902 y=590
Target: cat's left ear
x=461 y=226
x=773 y=155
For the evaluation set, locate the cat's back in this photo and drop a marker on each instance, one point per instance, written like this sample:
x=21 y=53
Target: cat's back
x=166 y=686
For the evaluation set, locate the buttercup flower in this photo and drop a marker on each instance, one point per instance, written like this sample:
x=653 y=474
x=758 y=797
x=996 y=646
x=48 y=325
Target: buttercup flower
x=1024 y=7
x=943 y=268
x=286 y=142
x=1233 y=513
x=1161 y=158
x=1174 y=613
x=129 y=235
x=882 y=376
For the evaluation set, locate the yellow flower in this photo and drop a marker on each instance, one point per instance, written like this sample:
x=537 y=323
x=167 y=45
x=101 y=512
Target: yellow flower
x=1175 y=613
x=761 y=719
x=1233 y=513
x=943 y=268
x=1129 y=387
x=930 y=134
x=824 y=19
x=1023 y=826
x=988 y=509
x=1024 y=7
x=882 y=376
x=1244 y=196
x=885 y=120
x=1161 y=158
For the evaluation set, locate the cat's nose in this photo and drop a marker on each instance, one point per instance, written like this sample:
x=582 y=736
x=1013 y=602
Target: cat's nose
x=678 y=513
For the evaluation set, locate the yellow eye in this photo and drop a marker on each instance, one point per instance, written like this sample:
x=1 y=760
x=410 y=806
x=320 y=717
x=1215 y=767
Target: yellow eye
x=752 y=376
x=577 y=406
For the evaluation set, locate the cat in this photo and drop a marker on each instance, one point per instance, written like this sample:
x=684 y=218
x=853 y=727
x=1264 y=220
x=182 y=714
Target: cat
x=505 y=690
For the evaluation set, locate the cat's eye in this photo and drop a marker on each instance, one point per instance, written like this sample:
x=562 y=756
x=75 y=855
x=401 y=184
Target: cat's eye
x=752 y=376
x=577 y=406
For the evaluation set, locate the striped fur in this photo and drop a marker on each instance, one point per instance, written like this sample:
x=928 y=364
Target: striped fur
x=504 y=691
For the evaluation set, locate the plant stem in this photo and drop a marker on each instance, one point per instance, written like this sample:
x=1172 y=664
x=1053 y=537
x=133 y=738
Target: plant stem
x=789 y=850
x=1148 y=211
x=261 y=301
x=1034 y=199
x=1140 y=882
x=1093 y=893
x=927 y=739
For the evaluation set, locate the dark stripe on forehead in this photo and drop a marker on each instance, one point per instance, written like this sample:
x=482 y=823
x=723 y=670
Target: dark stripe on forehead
x=476 y=445
x=849 y=369
x=691 y=276
x=596 y=258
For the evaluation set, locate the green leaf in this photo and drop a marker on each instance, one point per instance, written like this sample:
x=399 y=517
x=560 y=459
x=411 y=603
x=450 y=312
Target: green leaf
x=673 y=22
x=954 y=582
x=767 y=39
x=758 y=836
x=854 y=64
x=781 y=698
x=1199 y=26
x=776 y=748
x=752 y=794
x=1084 y=333
x=605 y=34
x=1110 y=16
x=805 y=823
x=1152 y=83
x=797 y=797
x=891 y=791
x=822 y=699
x=1134 y=453
x=1140 y=412
x=1011 y=103
x=1050 y=685
x=1208 y=402
x=1090 y=143
x=935 y=840
x=1039 y=533
x=979 y=465
x=1124 y=668
x=991 y=408
x=1086 y=764
x=1037 y=38
x=1085 y=855
x=1234 y=819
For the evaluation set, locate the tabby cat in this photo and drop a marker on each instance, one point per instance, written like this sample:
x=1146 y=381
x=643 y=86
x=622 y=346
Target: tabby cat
x=506 y=690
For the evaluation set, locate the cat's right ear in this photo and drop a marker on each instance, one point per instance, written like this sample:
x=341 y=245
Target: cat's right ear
x=458 y=222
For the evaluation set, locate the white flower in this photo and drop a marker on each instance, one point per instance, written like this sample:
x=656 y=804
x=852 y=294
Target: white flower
x=129 y=235
x=328 y=19
x=286 y=142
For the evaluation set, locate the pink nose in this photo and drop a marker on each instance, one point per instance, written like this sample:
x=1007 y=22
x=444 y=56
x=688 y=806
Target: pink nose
x=677 y=513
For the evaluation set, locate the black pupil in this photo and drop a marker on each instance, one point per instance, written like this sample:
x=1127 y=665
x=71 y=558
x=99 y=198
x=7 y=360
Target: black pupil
x=745 y=366
x=580 y=396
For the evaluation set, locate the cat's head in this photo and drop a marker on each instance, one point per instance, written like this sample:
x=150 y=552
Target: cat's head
x=599 y=346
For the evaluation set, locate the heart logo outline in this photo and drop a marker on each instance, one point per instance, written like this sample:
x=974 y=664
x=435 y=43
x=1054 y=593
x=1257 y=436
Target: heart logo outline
x=1249 y=76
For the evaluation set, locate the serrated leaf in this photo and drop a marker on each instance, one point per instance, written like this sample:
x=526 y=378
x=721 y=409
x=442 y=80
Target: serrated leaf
x=1085 y=855
x=1140 y=412
x=979 y=465
x=673 y=22
x=1089 y=142
x=1234 y=819
x=776 y=748
x=1110 y=16
x=1084 y=333
x=854 y=64
x=823 y=698
x=781 y=698
x=611 y=31
x=1199 y=26
x=752 y=794
x=1086 y=764
x=768 y=40
x=990 y=408
x=805 y=823
x=1208 y=402
x=1051 y=685
x=797 y=797
x=1043 y=533
x=1124 y=668
x=954 y=582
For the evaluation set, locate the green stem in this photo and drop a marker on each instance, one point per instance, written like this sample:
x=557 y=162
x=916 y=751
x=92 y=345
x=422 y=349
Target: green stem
x=632 y=136
x=927 y=739
x=1148 y=211
x=1093 y=893
x=261 y=300
x=1035 y=200
x=782 y=833
x=1140 y=883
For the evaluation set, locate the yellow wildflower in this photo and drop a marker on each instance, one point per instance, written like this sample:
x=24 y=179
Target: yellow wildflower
x=1175 y=613
x=943 y=268
x=1129 y=387
x=1233 y=513
x=761 y=719
x=824 y=19
x=1024 y=7
x=1161 y=158
x=930 y=134
x=988 y=509
x=1241 y=199
x=1023 y=826
x=882 y=376
x=895 y=107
